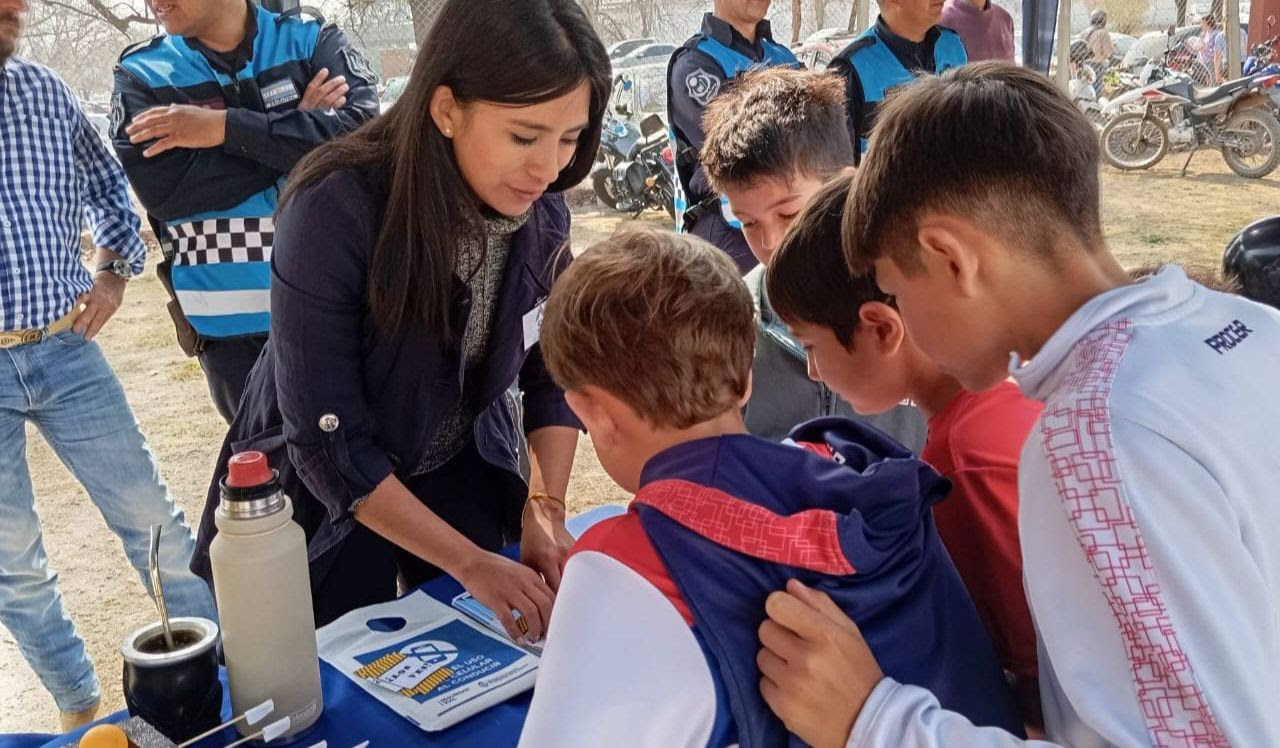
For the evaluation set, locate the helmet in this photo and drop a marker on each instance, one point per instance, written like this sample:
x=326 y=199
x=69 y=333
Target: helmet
x=1098 y=17
x=1252 y=260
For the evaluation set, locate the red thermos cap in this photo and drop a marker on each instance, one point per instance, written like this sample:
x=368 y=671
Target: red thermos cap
x=248 y=469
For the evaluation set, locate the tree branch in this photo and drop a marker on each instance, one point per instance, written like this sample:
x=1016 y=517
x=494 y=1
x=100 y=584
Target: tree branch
x=100 y=11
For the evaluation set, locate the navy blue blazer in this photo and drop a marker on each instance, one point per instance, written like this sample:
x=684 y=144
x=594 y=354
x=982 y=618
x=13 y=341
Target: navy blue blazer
x=338 y=405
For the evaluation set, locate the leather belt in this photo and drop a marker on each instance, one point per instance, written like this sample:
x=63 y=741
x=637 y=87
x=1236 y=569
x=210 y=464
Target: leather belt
x=23 y=337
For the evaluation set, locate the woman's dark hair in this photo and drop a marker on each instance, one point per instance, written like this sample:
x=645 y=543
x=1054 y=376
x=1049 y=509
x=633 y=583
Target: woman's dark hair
x=513 y=52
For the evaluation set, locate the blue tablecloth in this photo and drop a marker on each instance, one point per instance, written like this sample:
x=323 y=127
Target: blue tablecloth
x=351 y=716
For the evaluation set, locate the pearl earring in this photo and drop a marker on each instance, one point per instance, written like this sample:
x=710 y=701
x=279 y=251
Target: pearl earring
x=448 y=133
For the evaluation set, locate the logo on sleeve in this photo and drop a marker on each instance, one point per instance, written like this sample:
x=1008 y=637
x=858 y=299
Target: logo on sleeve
x=702 y=85
x=117 y=114
x=282 y=92
x=1231 y=336
x=360 y=66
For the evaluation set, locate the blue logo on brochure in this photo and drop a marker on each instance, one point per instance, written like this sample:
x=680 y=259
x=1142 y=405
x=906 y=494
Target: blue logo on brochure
x=436 y=661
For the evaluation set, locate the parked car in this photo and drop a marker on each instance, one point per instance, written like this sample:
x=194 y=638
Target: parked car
x=99 y=115
x=626 y=46
x=645 y=54
x=820 y=47
x=393 y=91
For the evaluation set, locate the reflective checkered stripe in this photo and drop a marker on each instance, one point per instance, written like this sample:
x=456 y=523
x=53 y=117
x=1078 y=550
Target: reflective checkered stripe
x=222 y=273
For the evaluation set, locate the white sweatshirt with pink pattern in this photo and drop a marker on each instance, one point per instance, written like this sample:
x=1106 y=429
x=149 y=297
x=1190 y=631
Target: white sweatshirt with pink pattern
x=1150 y=524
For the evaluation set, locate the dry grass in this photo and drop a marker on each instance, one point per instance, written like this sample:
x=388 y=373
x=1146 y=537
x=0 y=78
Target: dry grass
x=1150 y=217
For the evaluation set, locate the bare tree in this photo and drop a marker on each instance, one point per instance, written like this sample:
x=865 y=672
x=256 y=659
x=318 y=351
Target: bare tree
x=121 y=16
x=83 y=53
x=650 y=15
x=820 y=13
x=797 y=15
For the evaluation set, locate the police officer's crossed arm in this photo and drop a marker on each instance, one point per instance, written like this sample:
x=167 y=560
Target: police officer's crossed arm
x=183 y=181
x=281 y=139
x=218 y=164
x=695 y=80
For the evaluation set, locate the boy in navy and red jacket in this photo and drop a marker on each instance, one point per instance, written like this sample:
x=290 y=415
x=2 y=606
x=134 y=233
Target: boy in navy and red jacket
x=654 y=635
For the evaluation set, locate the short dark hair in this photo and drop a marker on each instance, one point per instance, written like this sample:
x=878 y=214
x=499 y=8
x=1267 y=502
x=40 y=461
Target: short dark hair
x=661 y=321
x=807 y=279
x=998 y=144
x=776 y=122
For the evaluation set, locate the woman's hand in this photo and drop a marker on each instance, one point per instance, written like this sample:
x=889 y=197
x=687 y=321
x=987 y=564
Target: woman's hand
x=503 y=585
x=544 y=541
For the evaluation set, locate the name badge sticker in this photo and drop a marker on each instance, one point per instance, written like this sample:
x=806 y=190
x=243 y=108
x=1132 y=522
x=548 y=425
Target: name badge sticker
x=533 y=324
x=280 y=93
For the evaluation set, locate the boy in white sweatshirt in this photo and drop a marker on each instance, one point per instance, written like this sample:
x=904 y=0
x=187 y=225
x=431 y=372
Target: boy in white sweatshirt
x=1148 y=488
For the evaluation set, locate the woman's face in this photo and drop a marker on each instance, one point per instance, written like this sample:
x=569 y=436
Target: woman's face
x=509 y=155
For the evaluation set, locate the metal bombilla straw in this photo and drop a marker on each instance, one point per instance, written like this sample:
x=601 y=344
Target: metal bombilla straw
x=157 y=587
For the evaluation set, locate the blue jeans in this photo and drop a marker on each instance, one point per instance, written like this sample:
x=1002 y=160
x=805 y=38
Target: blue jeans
x=66 y=388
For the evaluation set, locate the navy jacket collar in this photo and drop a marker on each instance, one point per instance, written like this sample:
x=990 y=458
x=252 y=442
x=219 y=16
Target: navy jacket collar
x=722 y=31
x=231 y=62
x=912 y=55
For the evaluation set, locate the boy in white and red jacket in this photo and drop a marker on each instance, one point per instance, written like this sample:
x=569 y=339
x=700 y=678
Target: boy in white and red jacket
x=1148 y=495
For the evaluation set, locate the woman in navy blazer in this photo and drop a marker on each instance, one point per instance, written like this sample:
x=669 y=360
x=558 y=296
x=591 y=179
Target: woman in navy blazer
x=411 y=262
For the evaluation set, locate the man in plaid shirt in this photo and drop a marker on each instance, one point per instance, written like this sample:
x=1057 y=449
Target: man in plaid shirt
x=55 y=173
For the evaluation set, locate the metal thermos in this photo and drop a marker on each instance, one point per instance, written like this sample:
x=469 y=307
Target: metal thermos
x=263 y=589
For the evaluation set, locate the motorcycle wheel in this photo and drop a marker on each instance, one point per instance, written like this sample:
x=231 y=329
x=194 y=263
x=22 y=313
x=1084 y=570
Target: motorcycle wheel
x=1261 y=123
x=602 y=184
x=1132 y=141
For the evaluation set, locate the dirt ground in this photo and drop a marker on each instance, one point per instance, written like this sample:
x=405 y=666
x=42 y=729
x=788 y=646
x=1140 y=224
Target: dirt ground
x=1150 y=217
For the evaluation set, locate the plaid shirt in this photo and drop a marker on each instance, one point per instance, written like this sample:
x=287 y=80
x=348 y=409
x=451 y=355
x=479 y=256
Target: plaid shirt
x=54 y=173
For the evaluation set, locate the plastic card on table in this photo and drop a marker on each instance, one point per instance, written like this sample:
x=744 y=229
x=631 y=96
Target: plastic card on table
x=480 y=613
x=424 y=660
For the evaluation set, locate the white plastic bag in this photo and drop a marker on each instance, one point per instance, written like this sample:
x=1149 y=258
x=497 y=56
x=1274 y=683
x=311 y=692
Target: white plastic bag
x=426 y=661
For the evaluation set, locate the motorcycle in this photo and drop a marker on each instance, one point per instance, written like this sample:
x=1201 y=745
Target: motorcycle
x=1262 y=60
x=1153 y=75
x=1082 y=94
x=1236 y=118
x=635 y=169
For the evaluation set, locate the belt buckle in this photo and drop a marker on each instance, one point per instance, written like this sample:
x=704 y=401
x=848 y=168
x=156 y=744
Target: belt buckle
x=17 y=338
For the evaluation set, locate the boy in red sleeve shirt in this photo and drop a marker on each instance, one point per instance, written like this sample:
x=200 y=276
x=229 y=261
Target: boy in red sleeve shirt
x=856 y=343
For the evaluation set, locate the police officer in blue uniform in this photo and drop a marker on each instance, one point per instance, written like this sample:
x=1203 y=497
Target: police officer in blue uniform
x=208 y=119
x=734 y=38
x=906 y=41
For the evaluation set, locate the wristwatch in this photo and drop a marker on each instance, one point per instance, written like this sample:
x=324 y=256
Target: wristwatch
x=118 y=267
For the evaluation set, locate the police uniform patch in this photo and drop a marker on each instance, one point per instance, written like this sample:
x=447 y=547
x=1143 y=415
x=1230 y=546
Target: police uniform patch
x=117 y=114
x=283 y=91
x=359 y=65
x=702 y=86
